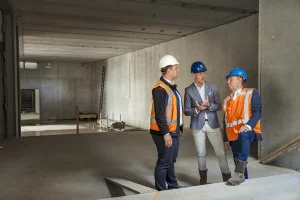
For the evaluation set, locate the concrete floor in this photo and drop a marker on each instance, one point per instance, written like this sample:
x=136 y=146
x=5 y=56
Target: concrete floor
x=264 y=188
x=74 y=166
x=64 y=127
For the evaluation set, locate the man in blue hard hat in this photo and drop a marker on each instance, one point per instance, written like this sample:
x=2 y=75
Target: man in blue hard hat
x=243 y=111
x=201 y=102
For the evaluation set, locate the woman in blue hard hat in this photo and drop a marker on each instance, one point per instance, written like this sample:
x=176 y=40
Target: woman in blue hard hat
x=243 y=109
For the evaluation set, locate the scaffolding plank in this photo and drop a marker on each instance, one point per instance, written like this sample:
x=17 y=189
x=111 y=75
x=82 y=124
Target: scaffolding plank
x=281 y=151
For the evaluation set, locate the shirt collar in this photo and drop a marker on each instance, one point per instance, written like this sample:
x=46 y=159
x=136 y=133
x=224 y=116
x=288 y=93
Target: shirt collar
x=237 y=92
x=170 y=82
x=198 y=86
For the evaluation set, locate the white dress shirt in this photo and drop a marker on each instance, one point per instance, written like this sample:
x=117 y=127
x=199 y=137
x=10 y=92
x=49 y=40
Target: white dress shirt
x=201 y=91
x=236 y=93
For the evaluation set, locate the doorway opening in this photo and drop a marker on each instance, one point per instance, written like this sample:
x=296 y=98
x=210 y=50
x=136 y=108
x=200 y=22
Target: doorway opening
x=30 y=104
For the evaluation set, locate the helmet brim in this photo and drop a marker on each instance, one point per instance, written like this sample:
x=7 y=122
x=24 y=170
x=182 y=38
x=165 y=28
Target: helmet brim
x=177 y=63
x=235 y=75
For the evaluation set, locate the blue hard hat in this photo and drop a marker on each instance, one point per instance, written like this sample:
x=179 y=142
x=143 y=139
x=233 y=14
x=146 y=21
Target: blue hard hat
x=237 y=72
x=198 y=67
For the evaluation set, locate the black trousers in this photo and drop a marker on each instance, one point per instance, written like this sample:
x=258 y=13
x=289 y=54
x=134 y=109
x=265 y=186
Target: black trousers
x=164 y=173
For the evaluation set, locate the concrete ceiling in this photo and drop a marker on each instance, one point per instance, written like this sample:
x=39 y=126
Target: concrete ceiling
x=91 y=30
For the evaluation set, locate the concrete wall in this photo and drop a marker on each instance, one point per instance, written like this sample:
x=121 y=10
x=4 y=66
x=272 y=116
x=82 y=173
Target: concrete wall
x=37 y=101
x=62 y=88
x=130 y=77
x=279 y=69
x=98 y=68
x=2 y=86
x=6 y=5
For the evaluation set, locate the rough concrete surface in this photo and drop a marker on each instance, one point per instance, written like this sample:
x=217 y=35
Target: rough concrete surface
x=279 y=70
x=74 y=166
x=62 y=87
x=266 y=188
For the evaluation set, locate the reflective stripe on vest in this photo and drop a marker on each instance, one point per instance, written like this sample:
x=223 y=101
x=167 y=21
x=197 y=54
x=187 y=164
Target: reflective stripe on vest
x=237 y=116
x=170 y=105
x=246 y=109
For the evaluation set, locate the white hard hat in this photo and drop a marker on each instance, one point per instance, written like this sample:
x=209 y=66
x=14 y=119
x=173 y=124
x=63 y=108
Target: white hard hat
x=167 y=60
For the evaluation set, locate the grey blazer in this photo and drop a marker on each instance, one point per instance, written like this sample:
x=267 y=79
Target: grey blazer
x=198 y=120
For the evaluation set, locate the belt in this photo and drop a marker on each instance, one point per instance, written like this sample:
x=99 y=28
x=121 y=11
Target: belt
x=206 y=120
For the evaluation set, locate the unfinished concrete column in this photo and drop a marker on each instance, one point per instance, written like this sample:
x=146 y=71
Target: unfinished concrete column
x=279 y=77
x=9 y=75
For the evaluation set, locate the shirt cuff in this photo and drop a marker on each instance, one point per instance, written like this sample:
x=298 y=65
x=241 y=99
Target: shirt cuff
x=249 y=127
x=196 y=111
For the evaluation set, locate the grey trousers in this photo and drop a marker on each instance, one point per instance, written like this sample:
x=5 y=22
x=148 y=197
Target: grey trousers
x=215 y=138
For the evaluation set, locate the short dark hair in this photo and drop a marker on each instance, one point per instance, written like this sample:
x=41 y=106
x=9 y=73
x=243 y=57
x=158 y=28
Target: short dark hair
x=243 y=80
x=165 y=69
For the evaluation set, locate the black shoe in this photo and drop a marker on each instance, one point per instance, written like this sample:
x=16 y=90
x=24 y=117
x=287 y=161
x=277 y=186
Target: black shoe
x=175 y=187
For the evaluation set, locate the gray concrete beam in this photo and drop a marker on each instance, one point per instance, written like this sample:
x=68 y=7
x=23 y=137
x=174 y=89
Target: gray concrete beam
x=71 y=49
x=82 y=43
x=69 y=54
x=99 y=32
x=107 y=24
x=60 y=58
x=92 y=37
x=161 y=5
x=178 y=18
x=242 y=5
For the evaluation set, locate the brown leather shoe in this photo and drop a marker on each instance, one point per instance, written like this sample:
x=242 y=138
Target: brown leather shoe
x=203 y=177
x=226 y=177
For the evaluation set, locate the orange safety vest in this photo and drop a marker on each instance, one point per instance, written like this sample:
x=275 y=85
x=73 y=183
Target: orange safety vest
x=238 y=112
x=171 y=109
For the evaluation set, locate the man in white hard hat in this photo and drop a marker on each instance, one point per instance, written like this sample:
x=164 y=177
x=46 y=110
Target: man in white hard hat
x=166 y=123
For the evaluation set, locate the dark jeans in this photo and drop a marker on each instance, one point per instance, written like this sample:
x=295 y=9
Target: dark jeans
x=164 y=169
x=241 y=147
